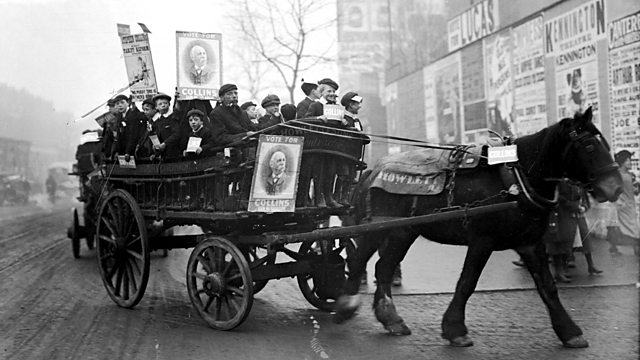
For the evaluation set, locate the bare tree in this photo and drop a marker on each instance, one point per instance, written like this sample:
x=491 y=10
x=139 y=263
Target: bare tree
x=291 y=36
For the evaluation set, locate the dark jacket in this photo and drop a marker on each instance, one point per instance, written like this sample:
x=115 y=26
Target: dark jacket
x=206 y=143
x=269 y=120
x=168 y=130
x=303 y=107
x=134 y=131
x=229 y=124
x=352 y=119
x=113 y=141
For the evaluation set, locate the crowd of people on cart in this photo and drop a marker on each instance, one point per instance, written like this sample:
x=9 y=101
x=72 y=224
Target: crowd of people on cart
x=193 y=128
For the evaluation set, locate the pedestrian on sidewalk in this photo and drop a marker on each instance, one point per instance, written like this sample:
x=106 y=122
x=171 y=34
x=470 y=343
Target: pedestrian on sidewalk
x=625 y=228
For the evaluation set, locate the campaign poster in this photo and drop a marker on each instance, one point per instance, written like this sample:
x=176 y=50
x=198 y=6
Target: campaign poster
x=431 y=116
x=500 y=109
x=571 y=41
x=198 y=65
x=449 y=98
x=275 y=176
x=624 y=85
x=139 y=65
x=530 y=103
x=473 y=90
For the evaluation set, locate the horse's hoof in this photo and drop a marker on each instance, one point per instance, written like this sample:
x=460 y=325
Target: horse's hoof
x=346 y=307
x=577 y=342
x=398 y=329
x=461 y=341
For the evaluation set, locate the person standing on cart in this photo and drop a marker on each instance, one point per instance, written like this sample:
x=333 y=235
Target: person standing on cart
x=346 y=170
x=135 y=125
x=166 y=127
x=312 y=95
x=271 y=104
x=229 y=123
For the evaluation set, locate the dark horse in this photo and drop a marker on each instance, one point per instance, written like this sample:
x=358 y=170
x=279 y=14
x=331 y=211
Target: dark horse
x=572 y=148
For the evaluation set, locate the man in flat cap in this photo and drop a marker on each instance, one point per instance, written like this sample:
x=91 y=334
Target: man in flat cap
x=251 y=109
x=271 y=104
x=312 y=95
x=229 y=123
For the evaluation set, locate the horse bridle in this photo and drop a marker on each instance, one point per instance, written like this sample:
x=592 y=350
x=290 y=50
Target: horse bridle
x=585 y=143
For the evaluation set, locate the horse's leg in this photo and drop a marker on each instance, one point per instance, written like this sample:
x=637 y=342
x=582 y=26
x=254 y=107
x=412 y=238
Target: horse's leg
x=349 y=302
x=398 y=244
x=453 y=327
x=535 y=258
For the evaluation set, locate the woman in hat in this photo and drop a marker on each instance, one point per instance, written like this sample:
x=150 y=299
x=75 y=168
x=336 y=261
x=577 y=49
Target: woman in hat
x=629 y=229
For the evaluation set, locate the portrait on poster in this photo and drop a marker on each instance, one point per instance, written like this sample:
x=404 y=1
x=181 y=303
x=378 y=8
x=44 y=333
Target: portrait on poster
x=275 y=175
x=199 y=65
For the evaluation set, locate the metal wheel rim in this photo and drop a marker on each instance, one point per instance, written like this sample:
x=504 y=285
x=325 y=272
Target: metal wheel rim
x=123 y=258
x=75 y=234
x=307 y=285
x=219 y=283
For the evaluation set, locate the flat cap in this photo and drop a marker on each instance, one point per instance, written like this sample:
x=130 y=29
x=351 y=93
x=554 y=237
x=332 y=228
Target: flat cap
x=247 y=105
x=226 y=88
x=329 y=82
x=308 y=86
x=159 y=96
x=195 y=112
x=120 y=97
x=148 y=101
x=269 y=100
x=349 y=97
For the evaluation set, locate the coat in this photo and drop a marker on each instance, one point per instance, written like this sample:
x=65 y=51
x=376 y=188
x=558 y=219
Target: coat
x=303 y=107
x=134 y=131
x=206 y=143
x=229 y=124
x=168 y=130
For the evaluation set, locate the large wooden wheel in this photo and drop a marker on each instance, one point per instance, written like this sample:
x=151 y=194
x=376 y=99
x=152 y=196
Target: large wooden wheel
x=74 y=233
x=219 y=283
x=321 y=287
x=256 y=254
x=122 y=249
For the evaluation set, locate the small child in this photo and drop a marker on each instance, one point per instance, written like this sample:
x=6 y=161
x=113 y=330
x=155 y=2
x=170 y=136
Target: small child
x=166 y=127
x=196 y=123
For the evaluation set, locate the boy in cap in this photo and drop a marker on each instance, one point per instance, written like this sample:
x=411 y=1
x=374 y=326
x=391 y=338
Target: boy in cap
x=312 y=95
x=251 y=109
x=166 y=126
x=196 y=124
x=135 y=125
x=345 y=170
x=271 y=104
x=324 y=172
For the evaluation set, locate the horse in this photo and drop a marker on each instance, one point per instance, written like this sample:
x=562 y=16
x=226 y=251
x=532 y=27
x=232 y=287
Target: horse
x=573 y=149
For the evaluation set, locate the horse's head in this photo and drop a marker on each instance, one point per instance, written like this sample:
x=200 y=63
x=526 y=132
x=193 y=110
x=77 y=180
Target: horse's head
x=586 y=157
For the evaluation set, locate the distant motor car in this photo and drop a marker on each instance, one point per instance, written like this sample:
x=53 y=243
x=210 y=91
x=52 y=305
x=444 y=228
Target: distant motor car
x=14 y=189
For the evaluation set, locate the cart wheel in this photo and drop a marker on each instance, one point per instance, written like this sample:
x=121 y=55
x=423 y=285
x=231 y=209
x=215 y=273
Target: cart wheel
x=255 y=253
x=219 y=283
x=74 y=233
x=122 y=249
x=322 y=287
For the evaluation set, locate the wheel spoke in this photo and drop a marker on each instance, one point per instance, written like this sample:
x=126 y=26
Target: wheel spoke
x=112 y=272
x=107 y=239
x=201 y=291
x=110 y=226
x=217 y=308
x=235 y=290
x=132 y=277
x=135 y=254
x=137 y=239
x=227 y=266
x=233 y=277
x=118 y=281
x=198 y=275
x=209 y=302
x=205 y=264
x=116 y=218
x=125 y=282
x=234 y=305
x=211 y=258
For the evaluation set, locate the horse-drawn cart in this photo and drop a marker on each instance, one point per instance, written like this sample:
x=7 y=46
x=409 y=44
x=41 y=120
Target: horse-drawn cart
x=239 y=250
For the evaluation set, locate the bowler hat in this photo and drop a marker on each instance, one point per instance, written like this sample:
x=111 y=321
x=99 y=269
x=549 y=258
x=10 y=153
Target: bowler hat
x=159 y=96
x=226 y=88
x=349 y=97
x=329 y=82
x=247 y=105
x=269 y=100
x=120 y=97
x=195 y=112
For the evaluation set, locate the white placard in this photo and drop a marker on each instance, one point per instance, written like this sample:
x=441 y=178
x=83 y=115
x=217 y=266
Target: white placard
x=154 y=140
x=194 y=144
x=502 y=154
x=333 y=112
x=131 y=164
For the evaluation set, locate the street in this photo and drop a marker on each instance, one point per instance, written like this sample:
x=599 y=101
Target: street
x=53 y=306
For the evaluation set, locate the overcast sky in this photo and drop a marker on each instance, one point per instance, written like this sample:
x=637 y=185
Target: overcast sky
x=68 y=51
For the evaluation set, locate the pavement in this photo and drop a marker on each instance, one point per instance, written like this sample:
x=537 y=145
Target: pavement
x=432 y=268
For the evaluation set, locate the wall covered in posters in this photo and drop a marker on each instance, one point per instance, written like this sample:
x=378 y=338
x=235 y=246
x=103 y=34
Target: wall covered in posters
x=571 y=45
x=474 y=106
x=498 y=57
x=448 y=88
x=624 y=84
x=528 y=77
